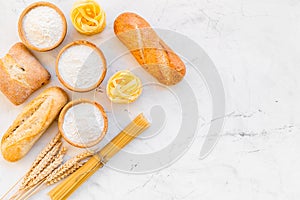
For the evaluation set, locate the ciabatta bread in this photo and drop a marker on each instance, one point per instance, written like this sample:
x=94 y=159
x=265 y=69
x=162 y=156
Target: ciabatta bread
x=31 y=123
x=21 y=74
x=148 y=49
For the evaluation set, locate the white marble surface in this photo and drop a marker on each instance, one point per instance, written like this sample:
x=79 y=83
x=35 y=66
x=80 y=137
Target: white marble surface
x=255 y=46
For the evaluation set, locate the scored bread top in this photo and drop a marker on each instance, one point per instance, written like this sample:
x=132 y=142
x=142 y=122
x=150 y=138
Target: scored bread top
x=149 y=50
x=32 y=122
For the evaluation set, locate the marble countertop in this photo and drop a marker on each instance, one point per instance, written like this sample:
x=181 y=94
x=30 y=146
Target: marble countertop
x=255 y=47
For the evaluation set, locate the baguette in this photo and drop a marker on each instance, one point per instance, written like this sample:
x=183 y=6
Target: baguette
x=148 y=49
x=21 y=74
x=31 y=123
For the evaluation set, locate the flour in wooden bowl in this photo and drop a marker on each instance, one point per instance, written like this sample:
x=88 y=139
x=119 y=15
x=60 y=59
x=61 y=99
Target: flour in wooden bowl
x=83 y=123
x=81 y=66
x=42 y=26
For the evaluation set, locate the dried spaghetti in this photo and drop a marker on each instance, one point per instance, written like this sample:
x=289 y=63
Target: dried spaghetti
x=69 y=185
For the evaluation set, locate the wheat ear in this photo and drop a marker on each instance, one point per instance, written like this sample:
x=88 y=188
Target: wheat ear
x=48 y=158
x=61 y=170
x=50 y=168
x=54 y=180
x=38 y=159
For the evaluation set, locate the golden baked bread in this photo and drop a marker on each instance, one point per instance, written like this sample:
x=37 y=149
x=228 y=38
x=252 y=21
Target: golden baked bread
x=21 y=74
x=148 y=49
x=31 y=123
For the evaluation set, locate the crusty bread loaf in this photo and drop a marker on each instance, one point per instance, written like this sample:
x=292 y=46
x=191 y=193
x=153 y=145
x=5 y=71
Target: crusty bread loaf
x=21 y=74
x=32 y=122
x=148 y=49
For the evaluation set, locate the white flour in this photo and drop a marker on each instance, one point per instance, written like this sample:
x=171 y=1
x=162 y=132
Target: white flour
x=80 y=66
x=83 y=123
x=43 y=27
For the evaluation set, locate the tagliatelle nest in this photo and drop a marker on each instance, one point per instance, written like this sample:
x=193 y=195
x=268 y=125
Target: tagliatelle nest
x=124 y=87
x=88 y=17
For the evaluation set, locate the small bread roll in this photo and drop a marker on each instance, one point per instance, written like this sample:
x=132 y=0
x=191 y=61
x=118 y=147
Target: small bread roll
x=21 y=74
x=31 y=123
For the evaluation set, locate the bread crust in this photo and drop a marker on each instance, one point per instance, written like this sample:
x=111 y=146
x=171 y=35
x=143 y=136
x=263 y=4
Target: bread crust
x=31 y=123
x=149 y=50
x=21 y=74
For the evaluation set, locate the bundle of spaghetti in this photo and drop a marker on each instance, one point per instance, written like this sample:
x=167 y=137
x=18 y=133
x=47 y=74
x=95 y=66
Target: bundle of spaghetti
x=70 y=184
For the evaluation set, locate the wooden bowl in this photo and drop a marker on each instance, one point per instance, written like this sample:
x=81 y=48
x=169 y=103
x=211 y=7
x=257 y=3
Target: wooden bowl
x=62 y=118
x=89 y=44
x=22 y=33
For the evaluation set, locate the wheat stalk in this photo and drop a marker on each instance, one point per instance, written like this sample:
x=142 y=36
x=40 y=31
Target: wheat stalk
x=48 y=158
x=64 y=168
x=50 y=168
x=51 y=144
x=42 y=183
x=42 y=154
x=36 y=183
x=54 y=180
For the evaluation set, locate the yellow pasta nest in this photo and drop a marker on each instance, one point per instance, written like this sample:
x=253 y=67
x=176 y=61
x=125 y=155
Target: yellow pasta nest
x=124 y=87
x=88 y=17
